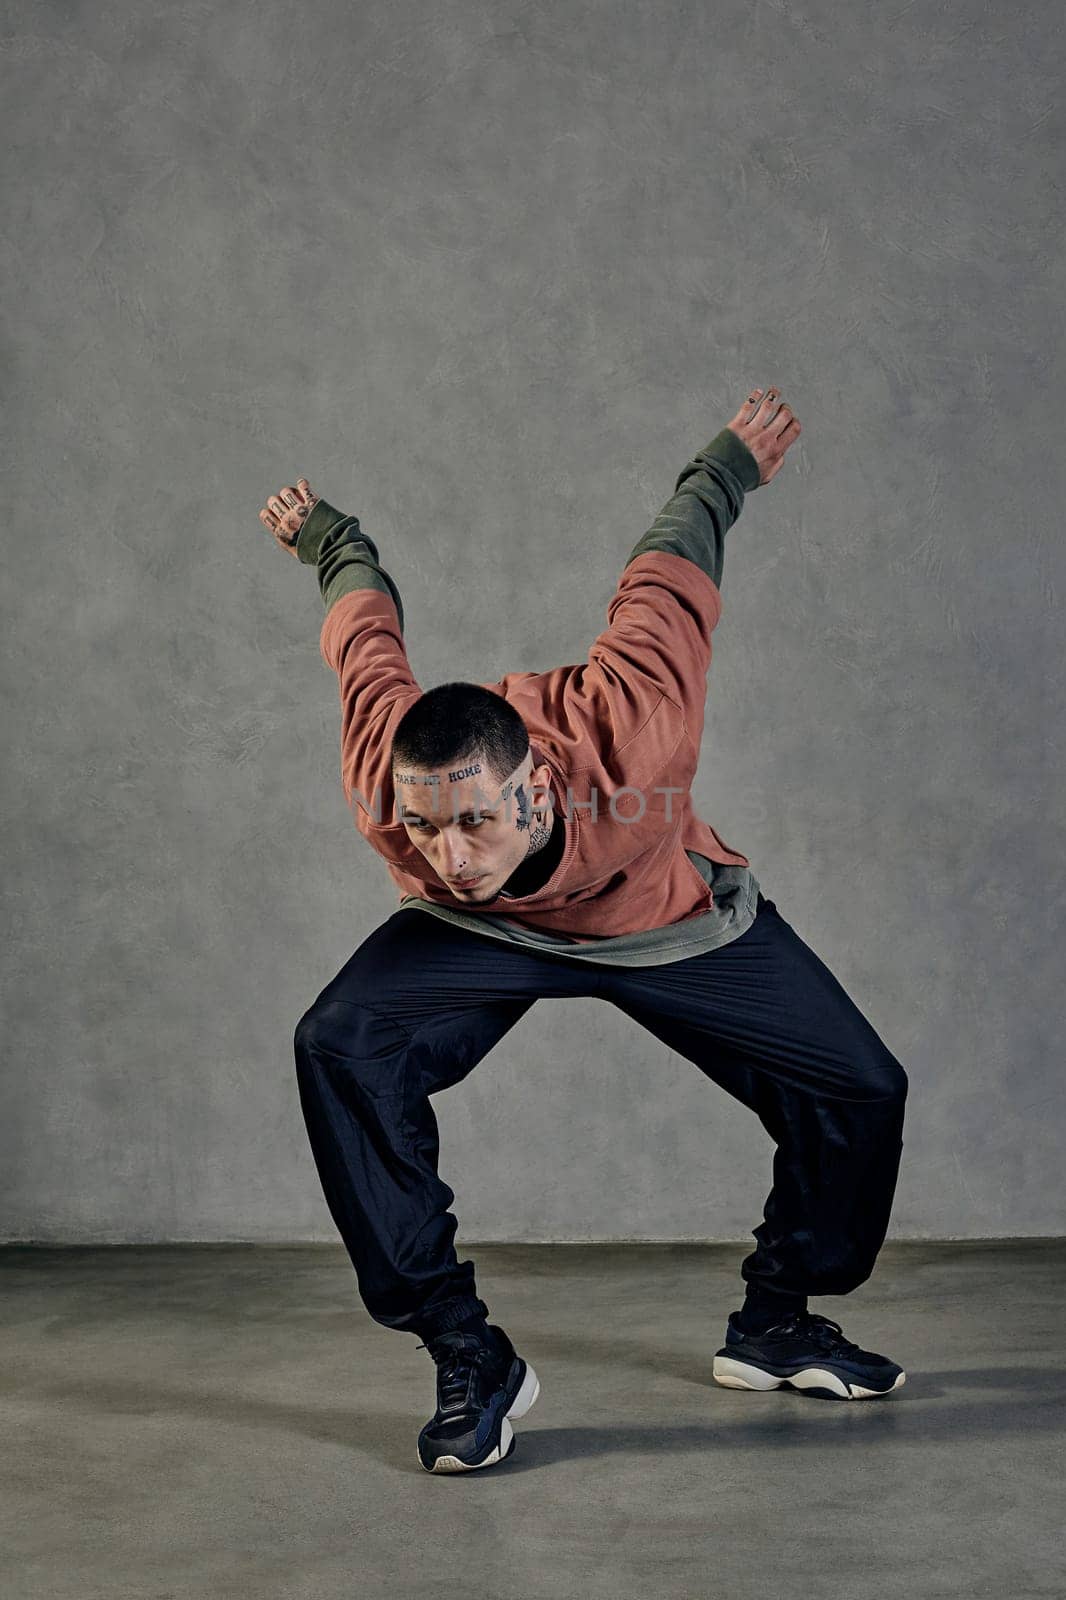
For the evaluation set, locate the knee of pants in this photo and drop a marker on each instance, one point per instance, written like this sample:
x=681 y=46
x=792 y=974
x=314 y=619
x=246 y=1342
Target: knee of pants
x=369 y=1049
x=883 y=1078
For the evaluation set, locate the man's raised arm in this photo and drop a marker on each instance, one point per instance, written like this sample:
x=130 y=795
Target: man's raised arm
x=709 y=493
x=361 y=640
x=667 y=603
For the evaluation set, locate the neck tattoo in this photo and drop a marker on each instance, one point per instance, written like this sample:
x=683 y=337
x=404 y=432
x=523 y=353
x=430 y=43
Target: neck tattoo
x=538 y=838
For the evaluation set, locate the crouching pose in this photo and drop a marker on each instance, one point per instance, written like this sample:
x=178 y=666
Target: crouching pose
x=542 y=837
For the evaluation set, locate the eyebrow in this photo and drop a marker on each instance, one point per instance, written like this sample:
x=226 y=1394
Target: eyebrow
x=483 y=811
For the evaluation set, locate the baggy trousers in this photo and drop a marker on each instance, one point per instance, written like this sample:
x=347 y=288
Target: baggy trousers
x=422 y=1001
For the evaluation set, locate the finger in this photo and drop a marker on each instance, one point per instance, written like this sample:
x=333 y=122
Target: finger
x=765 y=412
x=781 y=421
x=304 y=488
x=287 y=514
x=746 y=411
x=751 y=405
x=281 y=518
x=289 y=495
x=791 y=431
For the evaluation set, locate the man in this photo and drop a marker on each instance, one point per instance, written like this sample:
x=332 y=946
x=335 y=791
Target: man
x=541 y=832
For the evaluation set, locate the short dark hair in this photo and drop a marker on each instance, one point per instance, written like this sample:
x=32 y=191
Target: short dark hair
x=459 y=722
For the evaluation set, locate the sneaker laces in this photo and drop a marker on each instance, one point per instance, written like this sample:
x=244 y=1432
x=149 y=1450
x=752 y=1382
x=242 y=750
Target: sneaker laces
x=455 y=1365
x=822 y=1331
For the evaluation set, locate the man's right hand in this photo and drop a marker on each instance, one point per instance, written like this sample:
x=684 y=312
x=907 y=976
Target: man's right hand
x=285 y=513
x=767 y=427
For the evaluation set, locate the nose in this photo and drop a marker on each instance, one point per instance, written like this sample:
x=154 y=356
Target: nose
x=455 y=859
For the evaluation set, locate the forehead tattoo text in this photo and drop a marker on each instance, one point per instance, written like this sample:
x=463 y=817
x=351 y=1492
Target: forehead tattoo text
x=511 y=789
x=431 y=777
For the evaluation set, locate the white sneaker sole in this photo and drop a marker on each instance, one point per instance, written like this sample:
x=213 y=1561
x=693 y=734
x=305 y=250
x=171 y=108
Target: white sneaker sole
x=732 y=1374
x=521 y=1403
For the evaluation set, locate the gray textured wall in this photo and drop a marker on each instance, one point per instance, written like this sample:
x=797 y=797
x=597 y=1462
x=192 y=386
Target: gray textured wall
x=488 y=274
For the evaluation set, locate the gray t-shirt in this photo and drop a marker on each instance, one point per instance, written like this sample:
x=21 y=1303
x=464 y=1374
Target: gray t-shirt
x=736 y=895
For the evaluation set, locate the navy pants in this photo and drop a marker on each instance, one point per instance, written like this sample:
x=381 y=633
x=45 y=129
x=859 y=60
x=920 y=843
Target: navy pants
x=422 y=1001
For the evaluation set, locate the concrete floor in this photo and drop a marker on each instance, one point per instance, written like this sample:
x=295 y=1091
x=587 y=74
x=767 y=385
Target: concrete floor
x=217 y=1421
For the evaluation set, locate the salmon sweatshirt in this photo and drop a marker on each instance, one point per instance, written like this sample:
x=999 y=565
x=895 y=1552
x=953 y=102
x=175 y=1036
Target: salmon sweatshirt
x=632 y=875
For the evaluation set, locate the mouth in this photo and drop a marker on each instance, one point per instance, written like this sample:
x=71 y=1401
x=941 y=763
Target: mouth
x=464 y=883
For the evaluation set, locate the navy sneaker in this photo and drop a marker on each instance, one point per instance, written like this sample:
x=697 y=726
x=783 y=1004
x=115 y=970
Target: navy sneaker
x=807 y=1352
x=480 y=1387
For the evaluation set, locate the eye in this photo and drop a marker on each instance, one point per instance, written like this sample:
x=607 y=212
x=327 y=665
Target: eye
x=423 y=827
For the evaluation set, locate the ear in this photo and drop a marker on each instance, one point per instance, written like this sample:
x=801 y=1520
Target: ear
x=540 y=784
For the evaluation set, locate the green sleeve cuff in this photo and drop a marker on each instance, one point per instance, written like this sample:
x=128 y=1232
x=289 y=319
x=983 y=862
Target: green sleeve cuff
x=345 y=557
x=733 y=453
x=320 y=519
x=347 y=572
x=708 y=498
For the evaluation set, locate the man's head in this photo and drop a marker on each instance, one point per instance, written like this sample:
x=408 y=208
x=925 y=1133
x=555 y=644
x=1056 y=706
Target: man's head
x=467 y=791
